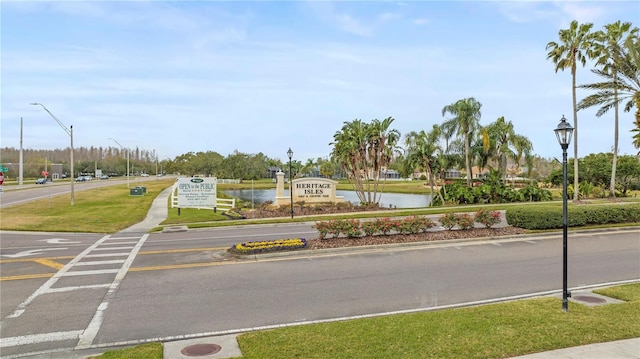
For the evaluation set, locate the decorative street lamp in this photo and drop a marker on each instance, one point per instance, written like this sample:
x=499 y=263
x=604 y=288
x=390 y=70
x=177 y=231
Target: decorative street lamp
x=122 y=149
x=563 y=133
x=290 y=154
x=69 y=131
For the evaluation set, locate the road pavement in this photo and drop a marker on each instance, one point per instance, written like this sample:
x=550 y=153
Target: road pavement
x=170 y=286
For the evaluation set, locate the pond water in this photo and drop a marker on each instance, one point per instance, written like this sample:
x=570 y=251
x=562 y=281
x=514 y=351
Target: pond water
x=399 y=200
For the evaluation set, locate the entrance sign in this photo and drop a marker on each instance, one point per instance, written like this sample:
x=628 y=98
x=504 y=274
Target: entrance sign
x=1 y=178
x=310 y=190
x=196 y=192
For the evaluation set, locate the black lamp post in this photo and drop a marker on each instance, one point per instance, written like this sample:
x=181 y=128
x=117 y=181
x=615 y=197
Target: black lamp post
x=290 y=154
x=563 y=133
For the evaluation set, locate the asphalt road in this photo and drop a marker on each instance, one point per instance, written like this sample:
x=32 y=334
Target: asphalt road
x=133 y=287
x=75 y=290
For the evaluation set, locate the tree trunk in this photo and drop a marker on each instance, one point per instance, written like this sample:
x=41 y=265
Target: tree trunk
x=467 y=149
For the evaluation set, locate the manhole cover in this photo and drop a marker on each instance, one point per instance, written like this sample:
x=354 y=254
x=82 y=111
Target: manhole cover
x=589 y=299
x=200 y=350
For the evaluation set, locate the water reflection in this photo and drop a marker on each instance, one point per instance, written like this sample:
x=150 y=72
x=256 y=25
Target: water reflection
x=399 y=200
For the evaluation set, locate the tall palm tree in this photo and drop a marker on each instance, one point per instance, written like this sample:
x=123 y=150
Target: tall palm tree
x=423 y=151
x=575 y=47
x=623 y=88
x=381 y=147
x=607 y=49
x=466 y=120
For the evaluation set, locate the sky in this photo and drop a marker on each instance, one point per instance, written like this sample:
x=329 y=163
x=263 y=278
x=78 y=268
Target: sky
x=264 y=76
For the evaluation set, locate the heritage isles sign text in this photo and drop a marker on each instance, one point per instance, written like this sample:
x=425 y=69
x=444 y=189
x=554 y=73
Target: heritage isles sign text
x=314 y=190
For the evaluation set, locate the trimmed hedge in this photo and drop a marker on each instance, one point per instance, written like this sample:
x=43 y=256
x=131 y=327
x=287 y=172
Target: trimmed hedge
x=550 y=216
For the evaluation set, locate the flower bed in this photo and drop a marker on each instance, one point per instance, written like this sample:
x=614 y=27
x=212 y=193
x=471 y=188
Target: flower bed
x=277 y=245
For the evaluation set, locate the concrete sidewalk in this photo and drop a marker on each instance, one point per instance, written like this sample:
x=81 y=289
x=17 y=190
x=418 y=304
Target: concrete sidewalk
x=621 y=349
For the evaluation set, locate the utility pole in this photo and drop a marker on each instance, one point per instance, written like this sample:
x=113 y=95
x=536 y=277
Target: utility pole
x=21 y=166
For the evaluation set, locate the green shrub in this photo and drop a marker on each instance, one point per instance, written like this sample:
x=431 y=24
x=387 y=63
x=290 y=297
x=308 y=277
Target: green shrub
x=351 y=228
x=464 y=221
x=550 y=216
x=385 y=225
x=487 y=217
x=415 y=224
x=448 y=220
x=368 y=228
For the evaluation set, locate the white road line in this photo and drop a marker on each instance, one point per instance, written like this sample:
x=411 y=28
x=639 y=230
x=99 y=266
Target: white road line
x=121 y=254
x=69 y=289
x=49 y=283
x=89 y=334
x=111 y=248
x=95 y=263
x=39 y=338
x=89 y=272
x=117 y=243
x=119 y=238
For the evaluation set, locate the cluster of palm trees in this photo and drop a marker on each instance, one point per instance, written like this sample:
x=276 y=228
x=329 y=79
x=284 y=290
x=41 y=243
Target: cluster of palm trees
x=496 y=143
x=364 y=150
x=616 y=53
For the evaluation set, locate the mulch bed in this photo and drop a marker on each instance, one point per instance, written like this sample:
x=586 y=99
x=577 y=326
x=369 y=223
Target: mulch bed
x=409 y=238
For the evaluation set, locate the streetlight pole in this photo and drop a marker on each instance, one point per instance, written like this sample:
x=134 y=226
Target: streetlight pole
x=563 y=133
x=69 y=131
x=122 y=149
x=290 y=154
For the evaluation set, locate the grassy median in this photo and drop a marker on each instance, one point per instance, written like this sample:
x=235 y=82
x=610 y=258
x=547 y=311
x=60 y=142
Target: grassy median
x=489 y=331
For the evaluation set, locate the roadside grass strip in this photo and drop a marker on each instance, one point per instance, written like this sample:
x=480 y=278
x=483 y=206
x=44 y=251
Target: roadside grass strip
x=490 y=331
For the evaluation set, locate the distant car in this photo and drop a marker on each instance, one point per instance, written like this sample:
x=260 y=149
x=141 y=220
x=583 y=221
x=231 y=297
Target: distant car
x=104 y=177
x=41 y=181
x=88 y=178
x=80 y=179
x=145 y=175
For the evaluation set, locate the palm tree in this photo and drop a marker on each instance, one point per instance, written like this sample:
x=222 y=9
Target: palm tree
x=622 y=88
x=607 y=49
x=423 y=151
x=466 y=120
x=575 y=46
x=500 y=140
x=363 y=150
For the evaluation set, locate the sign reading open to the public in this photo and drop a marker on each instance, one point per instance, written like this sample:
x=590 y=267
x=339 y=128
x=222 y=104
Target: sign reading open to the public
x=197 y=192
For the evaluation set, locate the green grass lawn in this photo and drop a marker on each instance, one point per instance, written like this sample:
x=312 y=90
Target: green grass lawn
x=489 y=331
x=110 y=209
x=100 y=210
